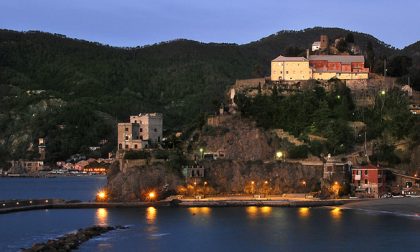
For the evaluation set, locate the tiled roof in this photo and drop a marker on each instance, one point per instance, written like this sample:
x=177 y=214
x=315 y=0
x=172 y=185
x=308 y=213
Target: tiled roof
x=338 y=58
x=293 y=59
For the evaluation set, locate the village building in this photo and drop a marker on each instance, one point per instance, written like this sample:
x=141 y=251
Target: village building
x=319 y=67
x=25 y=166
x=406 y=184
x=316 y=45
x=193 y=172
x=140 y=132
x=344 y=67
x=290 y=68
x=368 y=181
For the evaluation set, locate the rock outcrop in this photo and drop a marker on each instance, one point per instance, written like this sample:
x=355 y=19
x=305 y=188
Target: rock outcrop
x=238 y=139
x=136 y=182
x=71 y=241
x=227 y=176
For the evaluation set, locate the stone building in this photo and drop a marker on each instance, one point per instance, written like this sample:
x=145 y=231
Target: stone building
x=319 y=67
x=140 y=132
x=26 y=166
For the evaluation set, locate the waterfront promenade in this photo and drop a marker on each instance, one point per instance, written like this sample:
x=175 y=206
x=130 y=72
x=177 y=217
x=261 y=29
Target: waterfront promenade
x=275 y=201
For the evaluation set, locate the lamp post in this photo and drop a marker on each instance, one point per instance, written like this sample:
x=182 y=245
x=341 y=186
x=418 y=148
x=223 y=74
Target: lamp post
x=201 y=152
x=279 y=155
x=205 y=187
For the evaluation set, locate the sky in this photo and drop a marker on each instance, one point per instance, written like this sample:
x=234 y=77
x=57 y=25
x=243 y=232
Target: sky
x=141 y=22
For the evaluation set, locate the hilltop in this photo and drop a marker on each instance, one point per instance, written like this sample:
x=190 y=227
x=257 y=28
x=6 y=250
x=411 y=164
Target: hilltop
x=73 y=91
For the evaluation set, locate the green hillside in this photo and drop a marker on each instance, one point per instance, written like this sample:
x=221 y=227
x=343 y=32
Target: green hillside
x=73 y=91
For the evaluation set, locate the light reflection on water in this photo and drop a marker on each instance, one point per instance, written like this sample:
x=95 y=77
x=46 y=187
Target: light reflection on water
x=336 y=213
x=205 y=211
x=254 y=211
x=102 y=217
x=151 y=213
x=304 y=212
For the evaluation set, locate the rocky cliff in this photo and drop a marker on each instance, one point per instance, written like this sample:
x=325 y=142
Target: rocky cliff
x=228 y=176
x=137 y=182
x=237 y=139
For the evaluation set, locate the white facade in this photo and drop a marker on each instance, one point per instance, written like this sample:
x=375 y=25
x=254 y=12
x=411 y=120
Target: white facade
x=316 y=45
x=150 y=126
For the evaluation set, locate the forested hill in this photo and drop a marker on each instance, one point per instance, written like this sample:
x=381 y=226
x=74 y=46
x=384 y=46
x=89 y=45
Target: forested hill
x=86 y=86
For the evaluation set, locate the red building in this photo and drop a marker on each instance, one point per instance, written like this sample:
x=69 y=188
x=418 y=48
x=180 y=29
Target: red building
x=368 y=181
x=338 y=63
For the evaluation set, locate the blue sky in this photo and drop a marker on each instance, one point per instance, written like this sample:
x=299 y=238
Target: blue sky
x=141 y=22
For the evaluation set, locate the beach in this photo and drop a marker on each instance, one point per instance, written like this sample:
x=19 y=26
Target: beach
x=401 y=206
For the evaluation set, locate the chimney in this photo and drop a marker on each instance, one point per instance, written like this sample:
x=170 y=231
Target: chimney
x=307 y=53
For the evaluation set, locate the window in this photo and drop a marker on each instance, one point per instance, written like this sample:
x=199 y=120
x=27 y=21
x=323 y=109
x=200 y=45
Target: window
x=141 y=137
x=126 y=137
x=126 y=146
x=126 y=129
x=155 y=130
x=287 y=72
x=135 y=146
x=281 y=72
x=135 y=121
x=366 y=172
x=141 y=130
x=366 y=181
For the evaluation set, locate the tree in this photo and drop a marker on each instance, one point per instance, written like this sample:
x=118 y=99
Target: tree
x=399 y=65
x=350 y=38
x=341 y=45
x=370 y=53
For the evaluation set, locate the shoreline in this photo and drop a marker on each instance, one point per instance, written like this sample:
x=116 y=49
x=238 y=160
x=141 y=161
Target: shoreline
x=397 y=206
x=187 y=203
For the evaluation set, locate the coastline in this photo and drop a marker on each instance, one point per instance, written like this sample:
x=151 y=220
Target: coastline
x=180 y=203
x=398 y=206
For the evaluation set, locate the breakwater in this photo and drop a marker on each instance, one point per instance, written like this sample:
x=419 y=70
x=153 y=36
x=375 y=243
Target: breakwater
x=60 y=204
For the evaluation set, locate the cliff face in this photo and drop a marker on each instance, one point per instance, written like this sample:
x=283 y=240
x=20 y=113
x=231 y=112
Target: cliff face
x=222 y=177
x=137 y=182
x=237 y=138
x=227 y=176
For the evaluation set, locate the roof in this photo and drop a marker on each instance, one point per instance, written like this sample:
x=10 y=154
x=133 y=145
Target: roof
x=338 y=58
x=282 y=58
x=367 y=167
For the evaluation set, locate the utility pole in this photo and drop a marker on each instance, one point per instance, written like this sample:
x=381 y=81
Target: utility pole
x=384 y=68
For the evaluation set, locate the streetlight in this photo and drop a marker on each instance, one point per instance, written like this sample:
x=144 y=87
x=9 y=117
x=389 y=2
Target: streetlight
x=201 y=152
x=338 y=97
x=279 y=155
x=383 y=92
x=152 y=195
x=101 y=196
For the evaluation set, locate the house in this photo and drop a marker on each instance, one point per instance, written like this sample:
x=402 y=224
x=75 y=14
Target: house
x=140 y=132
x=368 y=181
x=290 y=68
x=316 y=45
x=344 y=67
x=25 y=166
x=406 y=184
x=194 y=171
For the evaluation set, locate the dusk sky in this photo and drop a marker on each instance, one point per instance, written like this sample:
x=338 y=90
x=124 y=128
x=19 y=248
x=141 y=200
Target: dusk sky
x=141 y=22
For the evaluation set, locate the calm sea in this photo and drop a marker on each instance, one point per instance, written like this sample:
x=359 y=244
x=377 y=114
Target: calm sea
x=68 y=188
x=206 y=229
